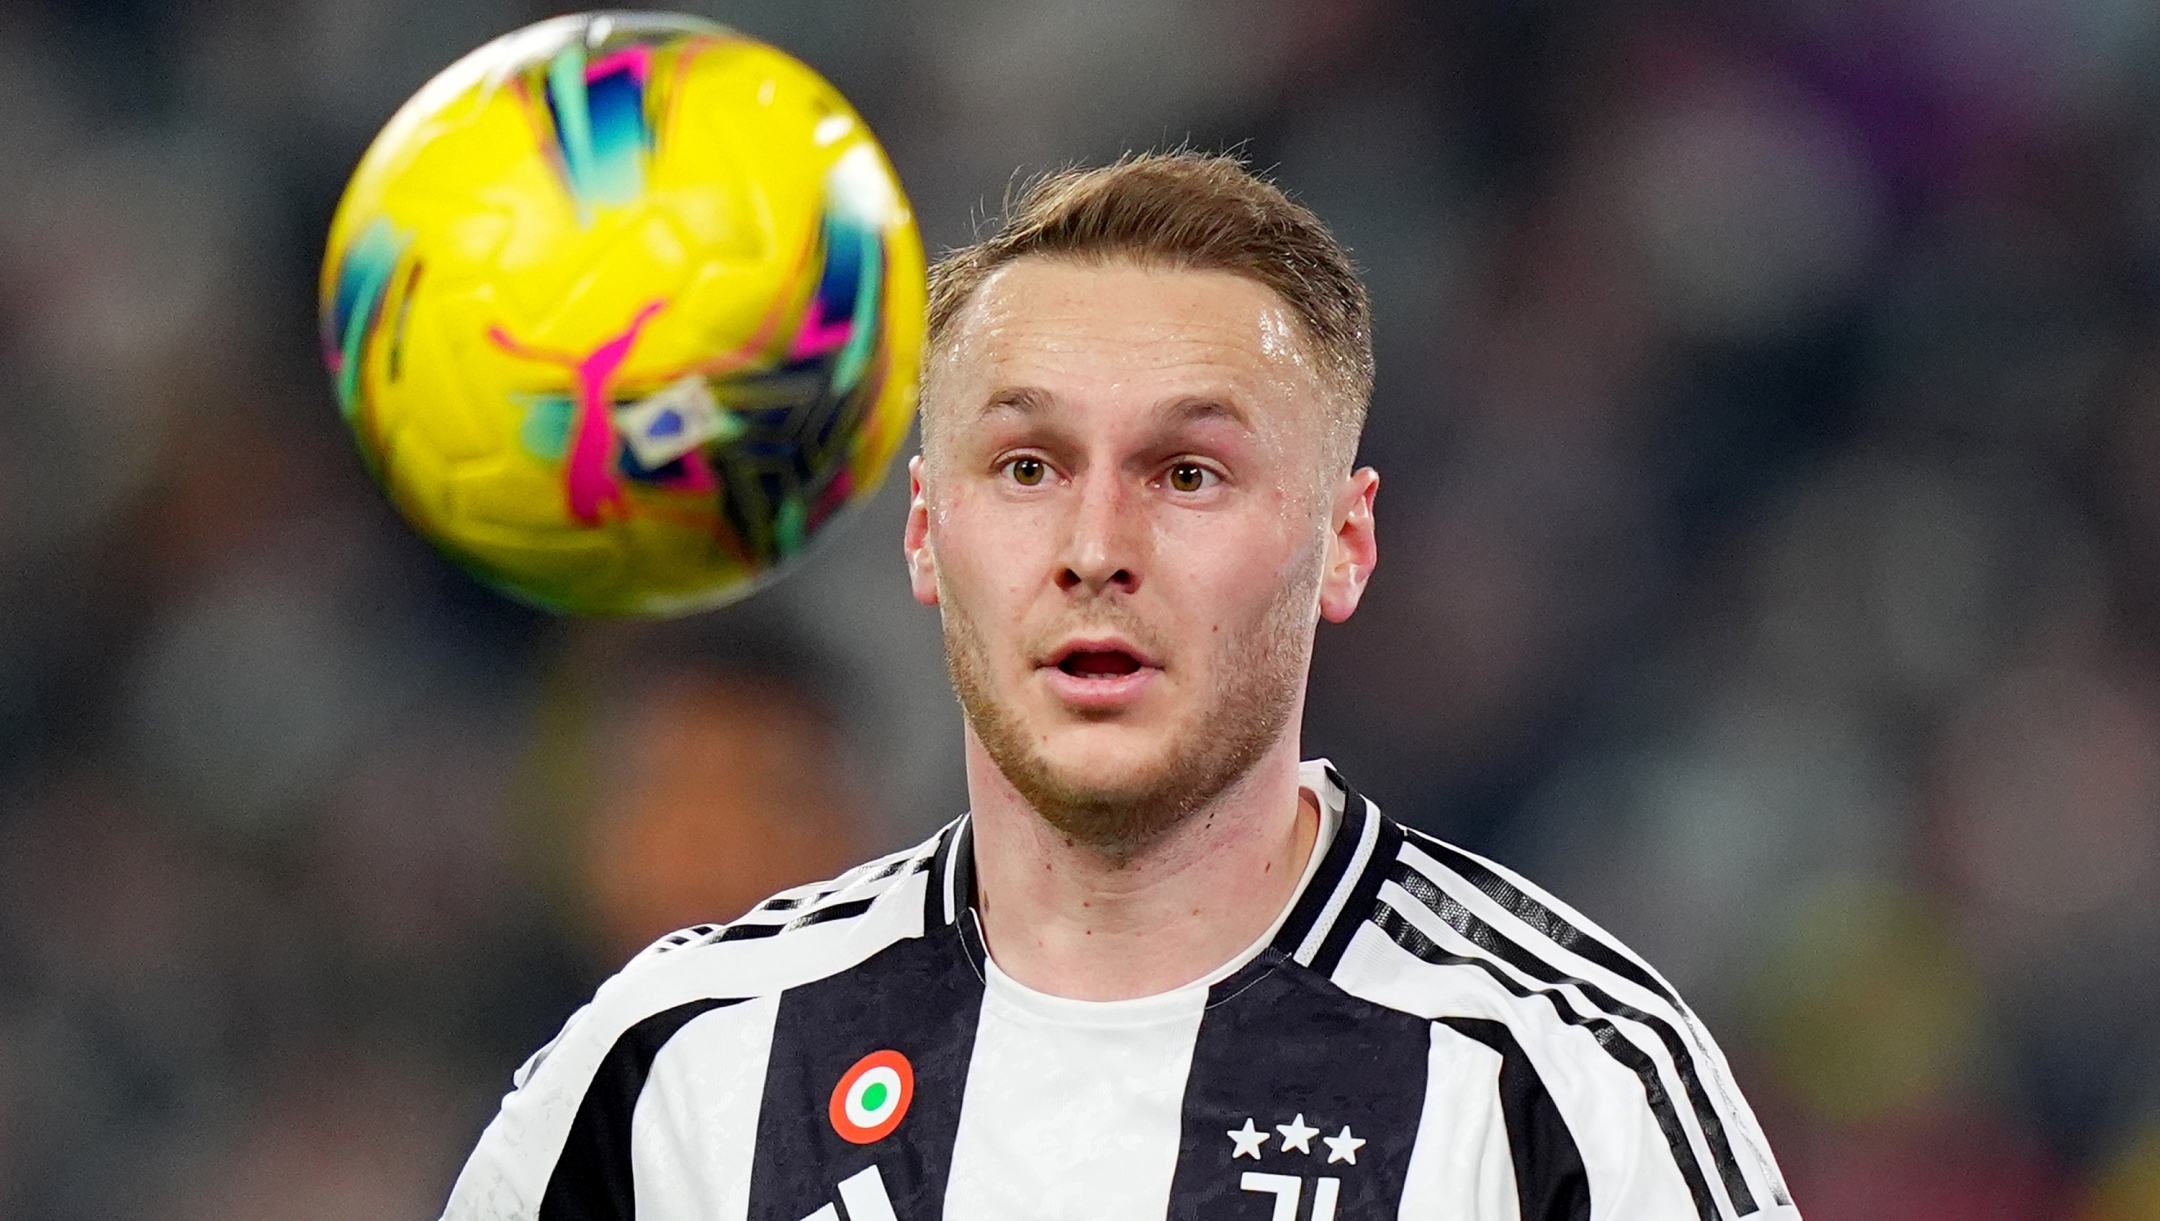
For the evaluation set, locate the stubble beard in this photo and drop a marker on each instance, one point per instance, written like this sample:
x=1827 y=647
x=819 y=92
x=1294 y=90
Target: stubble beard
x=1259 y=674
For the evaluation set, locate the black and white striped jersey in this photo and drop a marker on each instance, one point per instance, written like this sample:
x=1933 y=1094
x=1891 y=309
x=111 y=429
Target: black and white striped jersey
x=1423 y=1035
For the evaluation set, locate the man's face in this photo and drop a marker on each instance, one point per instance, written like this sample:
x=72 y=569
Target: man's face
x=1124 y=518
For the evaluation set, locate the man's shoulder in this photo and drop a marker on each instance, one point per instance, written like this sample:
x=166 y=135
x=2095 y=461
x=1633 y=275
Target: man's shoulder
x=796 y=936
x=1444 y=932
x=1491 y=958
x=1391 y=909
x=1506 y=916
x=725 y=980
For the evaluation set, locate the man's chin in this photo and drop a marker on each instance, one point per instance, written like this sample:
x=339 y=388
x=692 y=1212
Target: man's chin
x=1120 y=761
x=1115 y=788
x=1111 y=746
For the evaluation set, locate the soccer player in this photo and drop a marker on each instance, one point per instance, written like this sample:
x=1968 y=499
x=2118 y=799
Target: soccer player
x=1161 y=968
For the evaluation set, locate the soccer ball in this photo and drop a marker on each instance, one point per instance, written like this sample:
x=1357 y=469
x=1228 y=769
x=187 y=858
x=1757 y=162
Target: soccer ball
x=623 y=309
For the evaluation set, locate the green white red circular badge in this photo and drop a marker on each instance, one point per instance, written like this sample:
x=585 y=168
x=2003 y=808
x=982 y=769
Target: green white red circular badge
x=872 y=1096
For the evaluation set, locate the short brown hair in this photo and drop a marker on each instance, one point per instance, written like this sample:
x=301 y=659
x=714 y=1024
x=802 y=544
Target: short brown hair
x=1188 y=211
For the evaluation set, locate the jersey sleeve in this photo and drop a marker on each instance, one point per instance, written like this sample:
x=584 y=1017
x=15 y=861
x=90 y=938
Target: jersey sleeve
x=645 y=1104
x=1619 y=1105
x=594 y=1127
x=507 y=1174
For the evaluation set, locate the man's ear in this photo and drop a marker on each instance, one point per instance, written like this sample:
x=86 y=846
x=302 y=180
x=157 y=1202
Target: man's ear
x=1353 y=550
x=915 y=541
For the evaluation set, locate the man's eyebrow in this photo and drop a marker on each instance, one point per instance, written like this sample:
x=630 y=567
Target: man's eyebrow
x=1192 y=410
x=1030 y=401
x=1022 y=400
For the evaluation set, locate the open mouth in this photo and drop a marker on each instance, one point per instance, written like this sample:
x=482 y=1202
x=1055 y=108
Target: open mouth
x=1099 y=663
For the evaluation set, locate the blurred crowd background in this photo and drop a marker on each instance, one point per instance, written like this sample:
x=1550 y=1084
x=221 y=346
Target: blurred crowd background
x=1769 y=412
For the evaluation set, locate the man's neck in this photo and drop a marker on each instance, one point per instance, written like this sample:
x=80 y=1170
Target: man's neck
x=1070 y=920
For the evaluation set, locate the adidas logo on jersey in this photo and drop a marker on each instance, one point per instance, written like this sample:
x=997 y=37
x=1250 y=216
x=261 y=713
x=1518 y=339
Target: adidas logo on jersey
x=863 y=1196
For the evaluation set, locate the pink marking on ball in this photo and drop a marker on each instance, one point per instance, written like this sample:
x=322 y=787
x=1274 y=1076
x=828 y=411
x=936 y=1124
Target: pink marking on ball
x=638 y=59
x=818 y=336
x=589 y=476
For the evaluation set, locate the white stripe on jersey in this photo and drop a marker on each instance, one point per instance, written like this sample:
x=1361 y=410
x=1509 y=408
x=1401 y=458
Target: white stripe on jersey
x=691 y=1150
x=1073 y=1108
x=1461 y=1156
x=951 y=848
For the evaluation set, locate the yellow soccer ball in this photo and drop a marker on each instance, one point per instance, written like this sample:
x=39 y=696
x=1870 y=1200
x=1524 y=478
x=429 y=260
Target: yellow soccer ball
x=625 y=309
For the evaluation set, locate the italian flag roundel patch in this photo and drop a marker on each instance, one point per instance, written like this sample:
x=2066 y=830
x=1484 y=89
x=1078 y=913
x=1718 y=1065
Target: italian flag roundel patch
x=872 y=1096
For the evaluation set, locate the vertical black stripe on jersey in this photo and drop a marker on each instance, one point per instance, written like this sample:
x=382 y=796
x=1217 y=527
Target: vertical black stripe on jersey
x=1626 y=1054
x=1277 y=1042
x=1550 y=1182
x=1494 y=942
x=963 y=869
x=1386 y=844
x=1327 y=877
x=591 y=1180
x=952 y=864
x=919 y=997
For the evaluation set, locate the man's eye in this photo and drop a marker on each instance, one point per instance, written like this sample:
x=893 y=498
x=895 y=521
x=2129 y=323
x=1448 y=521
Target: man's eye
x=1190 y=477
x=1027 y=472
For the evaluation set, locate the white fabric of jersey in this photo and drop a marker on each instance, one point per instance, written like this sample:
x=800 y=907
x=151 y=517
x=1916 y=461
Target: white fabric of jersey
x=1422 y=1034
x=1072 y=1108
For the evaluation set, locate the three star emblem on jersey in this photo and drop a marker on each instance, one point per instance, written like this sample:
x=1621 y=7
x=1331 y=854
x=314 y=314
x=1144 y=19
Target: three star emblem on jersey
x=872 y=1097
x=1250 y=1141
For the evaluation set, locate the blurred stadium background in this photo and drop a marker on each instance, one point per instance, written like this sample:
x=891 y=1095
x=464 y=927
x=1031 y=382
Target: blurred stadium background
x=1770 y=416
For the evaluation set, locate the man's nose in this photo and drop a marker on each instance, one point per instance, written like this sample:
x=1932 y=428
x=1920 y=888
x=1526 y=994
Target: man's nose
x=1107 y=539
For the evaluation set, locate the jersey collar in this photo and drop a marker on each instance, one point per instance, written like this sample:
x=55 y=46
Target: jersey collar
x=1334 y=901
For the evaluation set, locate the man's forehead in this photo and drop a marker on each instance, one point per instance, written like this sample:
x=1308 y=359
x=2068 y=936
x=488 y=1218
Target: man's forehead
x=1048 y=318
x=1120 y=292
